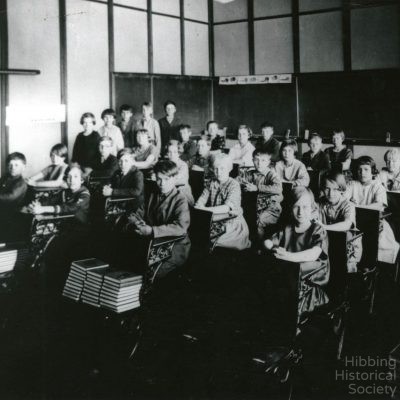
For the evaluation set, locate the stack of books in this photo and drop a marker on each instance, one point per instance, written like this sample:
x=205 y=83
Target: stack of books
x=9 y=257
x=75 y=282
x=93 y=285
x=120 y=291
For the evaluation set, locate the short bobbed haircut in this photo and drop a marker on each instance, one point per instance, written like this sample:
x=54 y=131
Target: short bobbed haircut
x=166 y=167
x=246 y=128
x=261 y=152
x=339 y=132
x=211 y=122
x=392 y=154
x=367 y=160
x=59 y=150
x=334 y=176
x=125 y=151
x=314 y=135
x=106 y=139
x=87 y=115
x=297 y=193
x=108 y=111
x=16 y=156
x=288 y=143
x=169 y=102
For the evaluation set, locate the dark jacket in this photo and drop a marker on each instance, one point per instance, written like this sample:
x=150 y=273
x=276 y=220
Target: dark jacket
x=320 y=162
x=128 y=133
x=272 y=147
x=86 y=149
x=189 y=152
x=168 y=131
x=105 y=169
x=76 y=203
x=13 y=192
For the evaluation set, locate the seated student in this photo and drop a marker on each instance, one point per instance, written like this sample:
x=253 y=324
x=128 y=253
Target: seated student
x=202 y=161
x=53 y=175
x=111 y=130
x=265 y=181
x=127 y=181
x=242 y=153
x=267 y=142
x=304 y=242
x=13 y=190
x=339 y=155
x=166 y=214
x=289 y=169
x=315 y=159
x=182 y=176
x=337 y=213
x=127 y=125
x=169 y=125
x=212 y=134
x=148 y=123
x=189 y=147
x=390 y=175
x=106 y=163
x=86 y=144
x=144 y=154
x=222 y=195
x=369 y=192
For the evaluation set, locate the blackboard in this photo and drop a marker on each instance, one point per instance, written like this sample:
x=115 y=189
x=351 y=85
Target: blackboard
x=365 y=104
x=253 y=104
x=191 y=95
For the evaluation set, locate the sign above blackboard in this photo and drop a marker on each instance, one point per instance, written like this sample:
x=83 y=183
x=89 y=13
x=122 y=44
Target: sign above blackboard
x=255 y=79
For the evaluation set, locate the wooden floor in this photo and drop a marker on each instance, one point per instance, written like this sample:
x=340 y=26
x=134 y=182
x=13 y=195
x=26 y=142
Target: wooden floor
x=52 y=348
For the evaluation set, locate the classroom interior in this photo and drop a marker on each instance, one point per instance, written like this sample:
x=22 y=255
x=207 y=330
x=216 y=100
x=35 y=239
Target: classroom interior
x=62 y=58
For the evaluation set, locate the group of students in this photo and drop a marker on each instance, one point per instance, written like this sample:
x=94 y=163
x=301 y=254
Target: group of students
x=143 y=149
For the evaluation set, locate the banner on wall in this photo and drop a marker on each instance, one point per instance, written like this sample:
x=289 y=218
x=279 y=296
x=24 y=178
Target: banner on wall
x=35 y=114
x=255 y=79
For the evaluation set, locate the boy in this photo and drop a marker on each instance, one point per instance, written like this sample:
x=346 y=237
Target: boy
x=315 y=159
x=13 y=190
x=112 y=131
x=127 y=125
x=106 y=163
x=169 y=125
x=212 y=135
x=265 y=181
x=189 y=148
x=202 y=160
x=151 y=125
x=267 y=142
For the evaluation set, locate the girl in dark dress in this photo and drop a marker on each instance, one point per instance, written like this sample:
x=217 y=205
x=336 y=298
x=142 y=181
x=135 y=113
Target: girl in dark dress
x=339 y=155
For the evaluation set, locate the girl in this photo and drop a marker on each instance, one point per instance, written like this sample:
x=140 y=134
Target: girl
x=337 y=213
x=222 y=195
x=182 y=176
x=151 y=125
x=111 y=131
x=369 y=192
x=289 y=169
x=304 y=242
x=390 y=176
x=144 y=154
x=107 y=163
x=339 y=155
x=242 y=153
x=212 y=135
x=54 y=175
x=86 y=144
x=316 y=159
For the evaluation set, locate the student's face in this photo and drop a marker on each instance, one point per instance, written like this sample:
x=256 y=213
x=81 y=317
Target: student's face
x=261 y=162
x=302 y=210
x=221 y=171
x=337 y=139
x=88 y=124
x=243 y=136
x=74 y=179
x=364 y=173
x=125 y=163
x=147 y=111
x=203 y=148
x=126 y=115
x=332 y=192
x=267 y=133
x=173 y=153
x=315 y=145
x=288 y=154
x=16 y=167
x=105 y=149
x=185 y=134
x=108 y=120
x=170 y=110
x=56 y=159
x=165 y=183
x=393 y=164
x=213 y=129
x=142 y=139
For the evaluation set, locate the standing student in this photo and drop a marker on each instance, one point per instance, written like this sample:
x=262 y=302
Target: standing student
x=169 y=125
x=369 y=192
x=55 y=174
x=182 y=176
x=390 y=175
x=147 y=122
x=188 y=146
x=106 y=163
x=242 y=153
x=222 y=195
x=213 y=136
x=315 y=159
x=306 y=242
x=339 y=155
x=266 y=183
x=267 y=142
x=86 y=144
x=111 y=130
x=289 y=169
x=127 y=125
